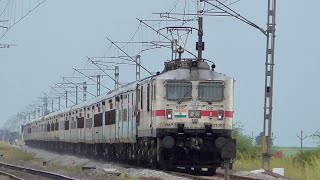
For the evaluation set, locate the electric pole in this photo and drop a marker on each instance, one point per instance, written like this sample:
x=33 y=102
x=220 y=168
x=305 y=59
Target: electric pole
x=84 y=91
x=116 y=74
x=138 y=62
x=302 y=138
x=200 y=43
x=98 y=85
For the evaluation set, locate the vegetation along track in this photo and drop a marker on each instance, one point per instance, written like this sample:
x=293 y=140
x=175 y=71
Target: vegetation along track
x=20 y=173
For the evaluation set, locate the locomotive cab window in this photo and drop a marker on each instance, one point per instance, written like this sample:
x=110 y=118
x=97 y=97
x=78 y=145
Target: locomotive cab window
x=211 y=91
x=178 y=90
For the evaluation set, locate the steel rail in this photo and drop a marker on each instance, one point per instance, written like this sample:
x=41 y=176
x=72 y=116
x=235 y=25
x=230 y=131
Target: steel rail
x=11 y=176
x=36 y=172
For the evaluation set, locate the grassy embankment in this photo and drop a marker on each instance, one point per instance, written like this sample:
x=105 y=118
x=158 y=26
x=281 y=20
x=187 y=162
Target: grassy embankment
x=297 y=166
x=10 y=153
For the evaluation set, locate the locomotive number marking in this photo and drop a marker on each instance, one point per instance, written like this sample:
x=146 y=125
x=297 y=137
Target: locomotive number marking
x=171 y=124
x=180 y=107
x=209 y=108
x=218 y=125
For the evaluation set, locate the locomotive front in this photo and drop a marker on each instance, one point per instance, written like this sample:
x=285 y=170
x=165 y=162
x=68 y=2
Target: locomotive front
x=194 y=111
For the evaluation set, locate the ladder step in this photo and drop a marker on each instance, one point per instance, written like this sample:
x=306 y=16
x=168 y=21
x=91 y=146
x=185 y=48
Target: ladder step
x=268 y=73
x=271 y=12
x=269 y=51
x=267 y=116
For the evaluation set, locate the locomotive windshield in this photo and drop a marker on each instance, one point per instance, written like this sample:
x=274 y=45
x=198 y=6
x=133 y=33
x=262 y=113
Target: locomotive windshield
x=179 y=90
x=211 y=91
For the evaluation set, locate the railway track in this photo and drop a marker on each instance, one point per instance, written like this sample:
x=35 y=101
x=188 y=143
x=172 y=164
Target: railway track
x=15 y=172
x=218 y=176
x=5 y=175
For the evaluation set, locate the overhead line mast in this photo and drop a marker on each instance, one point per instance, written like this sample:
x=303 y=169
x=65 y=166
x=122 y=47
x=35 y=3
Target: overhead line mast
x=269 y=75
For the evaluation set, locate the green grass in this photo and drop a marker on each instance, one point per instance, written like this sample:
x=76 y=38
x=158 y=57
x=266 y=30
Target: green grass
x=15 y=154
x=296 y=167
x=11 y=153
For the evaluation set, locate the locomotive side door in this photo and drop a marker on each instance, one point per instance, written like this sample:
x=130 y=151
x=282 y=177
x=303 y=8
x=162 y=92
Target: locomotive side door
x=149 y=107
x=117 y=127
x=137 y=108
x=144 y=115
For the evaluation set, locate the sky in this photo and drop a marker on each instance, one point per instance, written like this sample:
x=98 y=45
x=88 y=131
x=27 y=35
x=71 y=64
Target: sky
x=60 y=34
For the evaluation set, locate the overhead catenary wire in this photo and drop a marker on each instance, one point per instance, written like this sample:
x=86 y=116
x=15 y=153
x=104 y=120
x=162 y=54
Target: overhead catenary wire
x=235 y=15
x=90 y=78
x=132 y=60
x=19 y=19
x=65 y=78
x=101 y=69
x=163 y=35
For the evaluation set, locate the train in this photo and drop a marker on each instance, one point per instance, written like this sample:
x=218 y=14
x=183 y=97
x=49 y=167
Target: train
x=181 y=117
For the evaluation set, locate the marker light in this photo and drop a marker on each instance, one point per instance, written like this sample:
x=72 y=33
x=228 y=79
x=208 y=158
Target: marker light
x=220 y=115
x=169 y=113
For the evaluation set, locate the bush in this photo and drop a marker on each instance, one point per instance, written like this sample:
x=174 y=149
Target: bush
x=307 y=158
x=245 y=145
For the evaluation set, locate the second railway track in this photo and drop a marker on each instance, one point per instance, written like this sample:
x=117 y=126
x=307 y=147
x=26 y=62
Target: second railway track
x=14 y=172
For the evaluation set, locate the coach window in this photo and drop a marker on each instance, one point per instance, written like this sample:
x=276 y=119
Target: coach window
x=178 y=90
x=211 y=91
x=52 y=126
x=97 y=120
x=56 y=126
x=80 y=122
x=110 y=117
x=66 y=125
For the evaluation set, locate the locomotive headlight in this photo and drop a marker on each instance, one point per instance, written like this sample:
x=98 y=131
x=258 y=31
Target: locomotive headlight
x=191 y=114
x=194 y=114
x=220 y=115
x=169 y=113
x=197 y=114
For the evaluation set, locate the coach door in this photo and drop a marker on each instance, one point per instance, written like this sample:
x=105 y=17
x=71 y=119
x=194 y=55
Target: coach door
x=97 y=132
x=132 y=118
x=122 y=118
